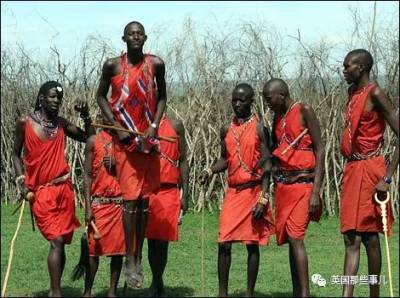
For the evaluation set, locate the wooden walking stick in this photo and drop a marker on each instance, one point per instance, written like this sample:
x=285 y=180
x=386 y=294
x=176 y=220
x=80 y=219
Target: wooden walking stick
x=382 y=204
x=138 y=133
x=3 y=291
x=97 y=235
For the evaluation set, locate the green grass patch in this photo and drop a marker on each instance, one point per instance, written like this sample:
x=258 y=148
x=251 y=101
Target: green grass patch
x=183 y=276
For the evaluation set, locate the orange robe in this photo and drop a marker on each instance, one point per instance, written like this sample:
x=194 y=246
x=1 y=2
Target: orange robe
x=292 y=200
x=165 y=204
x=108 y=217
x=236 y=219
x=53 y=206
x=361 y=142
x=133 y=103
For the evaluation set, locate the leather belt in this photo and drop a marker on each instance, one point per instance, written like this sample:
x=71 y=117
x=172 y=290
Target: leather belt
x=290 y=177
x=105 y=200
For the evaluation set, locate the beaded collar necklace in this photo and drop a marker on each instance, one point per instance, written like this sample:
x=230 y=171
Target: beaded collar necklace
x=49 y=127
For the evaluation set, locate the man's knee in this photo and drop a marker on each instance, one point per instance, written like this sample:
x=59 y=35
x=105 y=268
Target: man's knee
x=225 y=248
x=116 y=259
x=352 y=240
x=296 y=243
x=253 y=249
x=57 y=243
x=157 y=243
x=370 y=240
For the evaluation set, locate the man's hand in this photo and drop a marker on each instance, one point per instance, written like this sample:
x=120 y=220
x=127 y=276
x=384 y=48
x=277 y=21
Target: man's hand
x=150 y=132
x=184 y=205
x=314 y=204
x=124 y=137
x=22 y=189
x=381 y=188
x=203 y=178
x=258 y=211
x=109 y=161
x=83 y=108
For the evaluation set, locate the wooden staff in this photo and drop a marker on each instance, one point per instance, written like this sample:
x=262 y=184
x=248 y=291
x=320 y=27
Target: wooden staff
x=3 y=291
x=164 y=138
x=382 y=204
x=97 y=234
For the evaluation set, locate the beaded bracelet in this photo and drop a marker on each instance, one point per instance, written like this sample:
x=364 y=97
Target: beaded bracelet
x=262 y=199
x=19 y=178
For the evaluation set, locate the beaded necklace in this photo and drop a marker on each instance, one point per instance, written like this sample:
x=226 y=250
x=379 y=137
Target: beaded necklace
x=49 y=127
x=350 y=108
x=237 y=136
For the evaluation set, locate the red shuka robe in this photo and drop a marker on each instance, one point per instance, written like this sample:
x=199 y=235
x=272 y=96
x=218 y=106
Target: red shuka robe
x=108 y=217
x=362 y=138
x=165 y=203
x=292 y=200
x=236 y=219
x=53 y=206
x=133 y=101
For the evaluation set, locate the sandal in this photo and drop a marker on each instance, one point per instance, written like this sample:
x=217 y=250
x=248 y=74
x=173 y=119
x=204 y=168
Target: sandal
x=139 y=277
x=131 y=277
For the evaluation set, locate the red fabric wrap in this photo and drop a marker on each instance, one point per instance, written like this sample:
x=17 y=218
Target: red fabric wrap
x=170 y=154
x=44 y=160
x=164 y=208
x=104 y=184
x=301 y=156
x=236 y=218
x=362 y=136
x=133 y=103
x=53 y=207
x=292 y=200
x=243 y=150
x=133 y=98
x=138 y=173
x=237 y=222
x=291 y=212
x=108 y=219
x=364 y=130
x=358 y=210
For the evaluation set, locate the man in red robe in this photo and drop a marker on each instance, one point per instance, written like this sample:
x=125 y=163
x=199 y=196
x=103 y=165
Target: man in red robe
x=167 y=203
x=103 y=206
x=246 y=215
x=44 y=171
x=365 y=172
x=298 y=154
x=137 y=103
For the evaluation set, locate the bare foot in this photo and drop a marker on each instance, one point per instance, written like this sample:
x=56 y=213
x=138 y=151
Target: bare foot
x=161 y=290
x=153 y=290
x=54 y=293
x=133 y=276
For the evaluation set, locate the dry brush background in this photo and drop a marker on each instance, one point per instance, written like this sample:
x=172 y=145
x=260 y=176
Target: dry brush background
x=201 y=72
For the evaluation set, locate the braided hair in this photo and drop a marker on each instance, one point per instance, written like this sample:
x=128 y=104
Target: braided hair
x=44 y=89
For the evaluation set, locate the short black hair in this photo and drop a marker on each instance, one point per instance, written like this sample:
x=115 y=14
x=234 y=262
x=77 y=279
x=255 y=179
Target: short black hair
x=247 y=89
x=363 y=57
x=136 y=23
x=44 y=90
x=282 y=86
